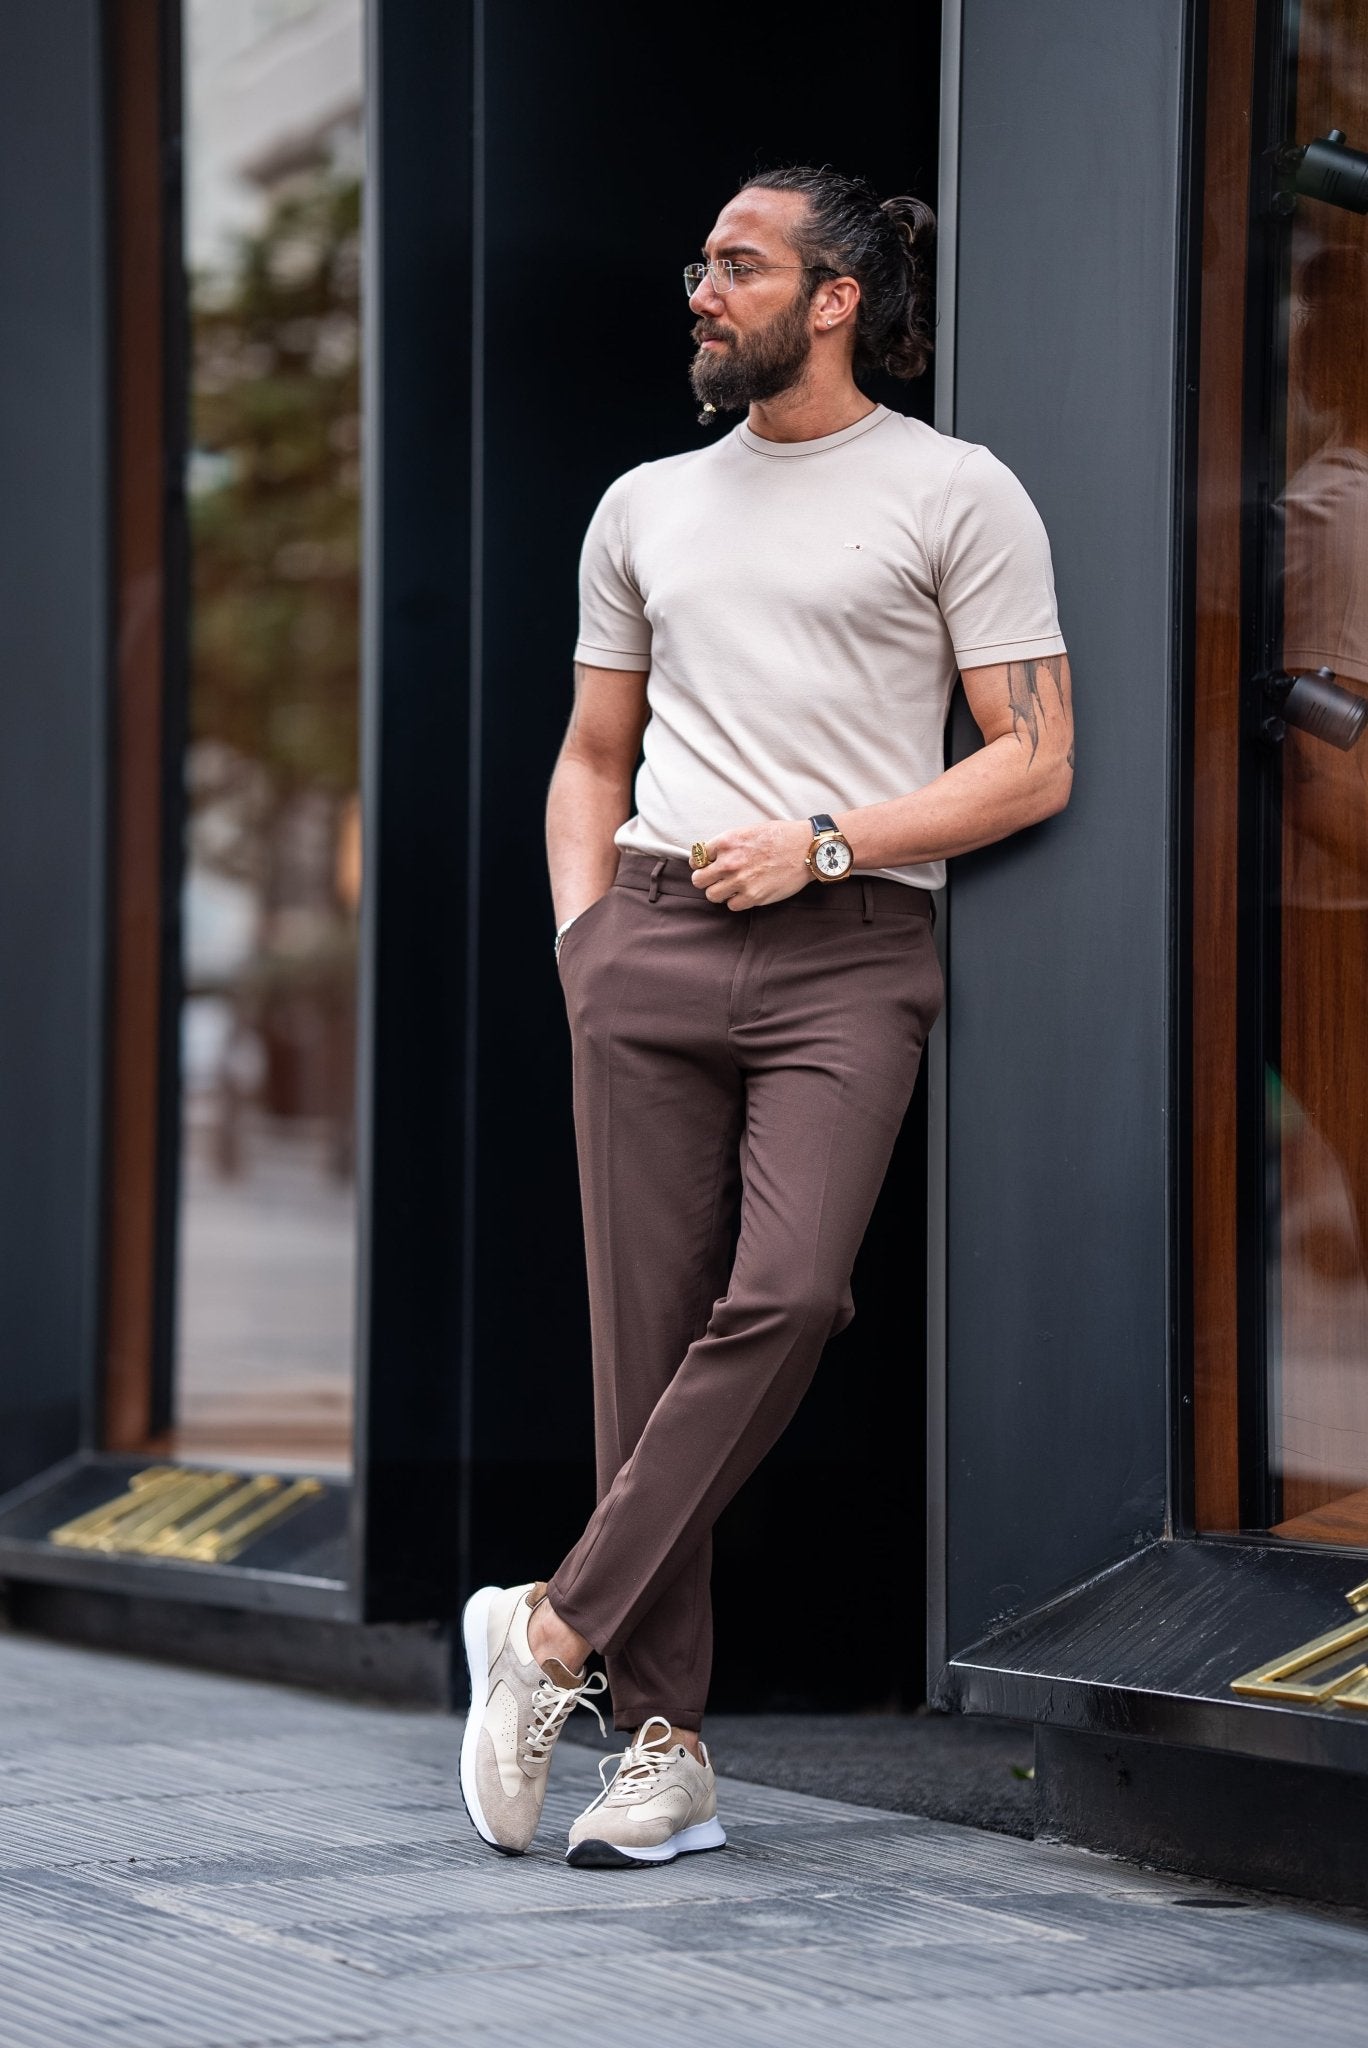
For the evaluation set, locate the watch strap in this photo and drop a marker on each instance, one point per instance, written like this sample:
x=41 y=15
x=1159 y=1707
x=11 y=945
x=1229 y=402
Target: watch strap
x=822 y=823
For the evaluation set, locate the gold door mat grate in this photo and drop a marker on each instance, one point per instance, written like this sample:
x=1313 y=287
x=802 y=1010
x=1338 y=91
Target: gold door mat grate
x=194 y=1516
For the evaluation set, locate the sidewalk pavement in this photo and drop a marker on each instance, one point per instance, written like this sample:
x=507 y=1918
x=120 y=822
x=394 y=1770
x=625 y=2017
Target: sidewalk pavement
x=191 y=1861
x=969 y=1769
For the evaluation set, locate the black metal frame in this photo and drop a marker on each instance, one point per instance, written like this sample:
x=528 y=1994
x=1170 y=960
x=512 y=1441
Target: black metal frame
x=175 y=714
x=244 y=1586
x=412 y=1453
x=1182 y=1515
x=89 y=1413
x=1259 y=933
x=175 y=688
x=398 y=1559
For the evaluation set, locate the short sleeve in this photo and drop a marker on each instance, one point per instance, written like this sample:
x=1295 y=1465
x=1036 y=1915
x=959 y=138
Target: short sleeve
x=613 y=628
x=996 y=579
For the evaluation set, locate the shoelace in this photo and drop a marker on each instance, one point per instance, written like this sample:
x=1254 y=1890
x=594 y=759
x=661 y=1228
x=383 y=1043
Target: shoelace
x=641 y=1763
x=552 y=1706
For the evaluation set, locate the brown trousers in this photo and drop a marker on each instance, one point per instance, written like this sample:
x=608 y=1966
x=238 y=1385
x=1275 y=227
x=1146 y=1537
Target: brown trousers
x=739 y=1080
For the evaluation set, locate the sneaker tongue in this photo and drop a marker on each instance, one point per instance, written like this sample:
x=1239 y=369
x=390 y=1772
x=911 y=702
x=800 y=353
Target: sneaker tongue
x=560 y=1675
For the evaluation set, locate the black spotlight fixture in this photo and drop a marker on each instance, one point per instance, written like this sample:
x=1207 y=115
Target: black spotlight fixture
x=1326 y=169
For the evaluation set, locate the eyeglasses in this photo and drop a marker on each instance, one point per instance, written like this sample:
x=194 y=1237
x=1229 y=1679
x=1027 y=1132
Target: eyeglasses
x=724 y=272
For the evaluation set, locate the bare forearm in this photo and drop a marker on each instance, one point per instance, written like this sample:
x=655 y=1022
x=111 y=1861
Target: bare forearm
x=1023 y=772
x=585 y=805
x=992 y=793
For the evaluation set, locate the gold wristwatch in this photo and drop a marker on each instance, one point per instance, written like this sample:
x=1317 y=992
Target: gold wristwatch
x=830 y=856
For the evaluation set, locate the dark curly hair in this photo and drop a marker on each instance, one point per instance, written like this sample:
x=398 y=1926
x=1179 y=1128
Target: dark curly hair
x=885 y=245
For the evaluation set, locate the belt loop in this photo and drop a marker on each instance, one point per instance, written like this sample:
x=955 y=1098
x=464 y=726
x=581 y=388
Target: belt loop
x=654 y=890
x=867 y=898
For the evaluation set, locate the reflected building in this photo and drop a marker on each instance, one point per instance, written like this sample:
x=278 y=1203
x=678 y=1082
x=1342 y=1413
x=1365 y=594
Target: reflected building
x=1318 y=1139
x=266 y=1234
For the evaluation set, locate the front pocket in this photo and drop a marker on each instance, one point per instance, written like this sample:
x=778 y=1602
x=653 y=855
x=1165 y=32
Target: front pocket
x=575 y=932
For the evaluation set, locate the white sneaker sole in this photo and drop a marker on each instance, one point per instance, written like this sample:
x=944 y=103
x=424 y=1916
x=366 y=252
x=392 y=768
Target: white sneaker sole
x=591 y=1855
x=475 y=1635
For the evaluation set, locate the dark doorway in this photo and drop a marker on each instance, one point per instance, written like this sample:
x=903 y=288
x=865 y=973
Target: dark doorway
x=613 y=137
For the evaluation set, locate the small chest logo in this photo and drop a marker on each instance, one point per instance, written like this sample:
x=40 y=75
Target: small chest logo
x=852 y=544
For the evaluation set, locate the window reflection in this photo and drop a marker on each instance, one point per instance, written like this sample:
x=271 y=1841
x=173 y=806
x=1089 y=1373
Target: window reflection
x=1318 y=1100
x=272 y=844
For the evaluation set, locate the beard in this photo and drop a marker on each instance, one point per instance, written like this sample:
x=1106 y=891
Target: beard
x=745 y=373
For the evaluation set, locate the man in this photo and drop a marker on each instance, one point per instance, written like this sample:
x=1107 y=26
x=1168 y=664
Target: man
x=775 y=623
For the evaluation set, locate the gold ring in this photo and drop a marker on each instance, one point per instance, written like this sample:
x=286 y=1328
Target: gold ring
x=699 y=856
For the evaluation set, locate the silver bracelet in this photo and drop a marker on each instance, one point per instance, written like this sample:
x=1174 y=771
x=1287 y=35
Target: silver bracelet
x=561 y=930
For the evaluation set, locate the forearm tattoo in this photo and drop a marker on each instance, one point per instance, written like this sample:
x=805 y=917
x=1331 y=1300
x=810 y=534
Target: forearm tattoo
x=1024 y=692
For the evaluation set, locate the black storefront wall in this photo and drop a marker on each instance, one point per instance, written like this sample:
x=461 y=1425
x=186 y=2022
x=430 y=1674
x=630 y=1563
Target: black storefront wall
x=53 y=613
x=1059 y=989
x=526 y=341
x=1072 y=1589
x=384 y=1549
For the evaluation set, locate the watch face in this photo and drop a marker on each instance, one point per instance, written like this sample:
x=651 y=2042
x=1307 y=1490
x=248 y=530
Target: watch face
x=833 y=857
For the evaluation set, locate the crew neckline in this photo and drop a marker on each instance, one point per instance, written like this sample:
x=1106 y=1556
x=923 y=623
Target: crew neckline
x=787 y=449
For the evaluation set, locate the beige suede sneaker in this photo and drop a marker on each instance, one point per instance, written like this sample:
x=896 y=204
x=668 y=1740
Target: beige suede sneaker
x=661 y=1803
x=517 y=1709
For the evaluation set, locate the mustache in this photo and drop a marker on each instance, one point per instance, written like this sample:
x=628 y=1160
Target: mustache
x=705 y=331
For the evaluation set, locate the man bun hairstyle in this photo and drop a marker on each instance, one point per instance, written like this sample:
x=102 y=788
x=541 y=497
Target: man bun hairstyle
x=885 y=245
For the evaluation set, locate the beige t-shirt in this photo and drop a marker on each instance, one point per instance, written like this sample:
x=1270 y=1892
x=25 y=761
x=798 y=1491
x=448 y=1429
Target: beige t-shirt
x=803 y=608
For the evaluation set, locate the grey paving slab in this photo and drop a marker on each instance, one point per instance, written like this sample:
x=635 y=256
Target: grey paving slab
x=190 y=1861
